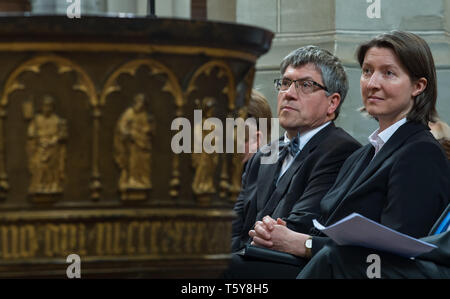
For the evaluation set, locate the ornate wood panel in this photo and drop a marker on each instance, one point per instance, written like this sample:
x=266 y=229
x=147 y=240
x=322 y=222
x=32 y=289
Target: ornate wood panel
x=86 y=163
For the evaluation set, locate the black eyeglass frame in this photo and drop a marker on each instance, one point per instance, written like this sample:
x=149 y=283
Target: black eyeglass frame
x=277 y=83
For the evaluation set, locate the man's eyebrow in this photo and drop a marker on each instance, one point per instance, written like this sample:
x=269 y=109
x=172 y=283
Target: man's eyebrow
x=301 y=79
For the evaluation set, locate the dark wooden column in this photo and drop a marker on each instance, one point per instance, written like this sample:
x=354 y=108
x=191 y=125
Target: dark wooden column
x=14 y=5
x=198 y=9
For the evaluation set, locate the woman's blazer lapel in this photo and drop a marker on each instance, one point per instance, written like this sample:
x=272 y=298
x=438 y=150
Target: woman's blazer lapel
x=360 y=176
x=400 y=137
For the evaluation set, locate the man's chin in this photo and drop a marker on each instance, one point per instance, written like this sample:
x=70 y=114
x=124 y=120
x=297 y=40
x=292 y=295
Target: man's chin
x=287 y=125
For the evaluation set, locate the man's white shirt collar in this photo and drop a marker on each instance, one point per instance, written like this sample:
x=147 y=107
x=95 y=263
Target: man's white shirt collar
x=304 y=138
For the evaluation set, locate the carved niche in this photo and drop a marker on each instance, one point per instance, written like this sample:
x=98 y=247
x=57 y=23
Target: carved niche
x=43 y=136
x=136 y=134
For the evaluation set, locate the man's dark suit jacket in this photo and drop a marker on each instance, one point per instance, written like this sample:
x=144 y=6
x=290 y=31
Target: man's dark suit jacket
x=405 y=187
x=296 y=198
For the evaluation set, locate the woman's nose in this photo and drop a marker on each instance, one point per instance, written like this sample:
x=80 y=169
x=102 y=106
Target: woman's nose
x=373 y=81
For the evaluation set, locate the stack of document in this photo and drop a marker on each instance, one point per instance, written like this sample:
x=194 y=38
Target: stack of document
x=357 y=230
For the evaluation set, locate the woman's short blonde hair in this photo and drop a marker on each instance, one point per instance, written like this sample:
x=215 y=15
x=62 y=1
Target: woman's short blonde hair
x=440 y=129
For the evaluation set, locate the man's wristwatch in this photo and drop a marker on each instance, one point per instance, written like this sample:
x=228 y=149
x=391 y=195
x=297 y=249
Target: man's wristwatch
x=308 y=247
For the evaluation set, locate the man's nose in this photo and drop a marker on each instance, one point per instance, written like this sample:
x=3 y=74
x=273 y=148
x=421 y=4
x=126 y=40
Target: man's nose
x=292 y=91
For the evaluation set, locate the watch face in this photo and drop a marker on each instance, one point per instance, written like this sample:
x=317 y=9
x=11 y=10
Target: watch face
x=308 y=243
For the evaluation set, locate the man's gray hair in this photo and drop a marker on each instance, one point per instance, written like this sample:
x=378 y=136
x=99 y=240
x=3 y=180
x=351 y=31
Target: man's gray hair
x=333 y=74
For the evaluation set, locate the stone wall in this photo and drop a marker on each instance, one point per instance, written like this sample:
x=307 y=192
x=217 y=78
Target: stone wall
x=337 y=25
x=60 y=7
x=340 y=26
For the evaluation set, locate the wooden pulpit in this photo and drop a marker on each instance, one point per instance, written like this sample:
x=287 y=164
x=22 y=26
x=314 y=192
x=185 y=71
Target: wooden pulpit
x=89 y=109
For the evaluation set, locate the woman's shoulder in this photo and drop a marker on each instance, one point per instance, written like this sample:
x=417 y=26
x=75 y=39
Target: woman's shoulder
x=422 y=138
x=424 y=146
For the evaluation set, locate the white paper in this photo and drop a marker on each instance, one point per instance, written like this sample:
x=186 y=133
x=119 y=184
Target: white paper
x=357 y=230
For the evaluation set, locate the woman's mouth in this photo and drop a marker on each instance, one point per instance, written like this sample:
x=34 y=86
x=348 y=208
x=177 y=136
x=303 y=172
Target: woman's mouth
x=374 y=99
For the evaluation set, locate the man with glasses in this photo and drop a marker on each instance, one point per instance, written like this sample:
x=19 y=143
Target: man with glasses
x=311 y=90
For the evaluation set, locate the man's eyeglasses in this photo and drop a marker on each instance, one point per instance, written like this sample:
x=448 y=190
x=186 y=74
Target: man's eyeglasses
x=305 y=85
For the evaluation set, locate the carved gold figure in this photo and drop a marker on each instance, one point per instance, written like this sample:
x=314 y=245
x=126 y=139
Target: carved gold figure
x=133 y=145
x=47 y=135
x=205 y=164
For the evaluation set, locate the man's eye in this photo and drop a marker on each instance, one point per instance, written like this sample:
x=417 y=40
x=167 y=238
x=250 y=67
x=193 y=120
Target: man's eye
x=307 y=84
x=286 y=82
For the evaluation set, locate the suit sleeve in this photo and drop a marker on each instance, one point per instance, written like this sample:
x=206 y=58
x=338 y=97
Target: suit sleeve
x=440 y=255
x=239 y=206
x=318 y=243
x=418 y=189
x=322 y=178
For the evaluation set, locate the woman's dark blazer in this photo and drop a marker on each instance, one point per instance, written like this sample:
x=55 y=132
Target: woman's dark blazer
x=405 y=187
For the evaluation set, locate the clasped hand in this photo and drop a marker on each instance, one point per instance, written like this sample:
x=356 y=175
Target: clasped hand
x=274 y=234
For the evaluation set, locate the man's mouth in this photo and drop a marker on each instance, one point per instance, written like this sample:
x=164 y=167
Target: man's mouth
x=288 y=108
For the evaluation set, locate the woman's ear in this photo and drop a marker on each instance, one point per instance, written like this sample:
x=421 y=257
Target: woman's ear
x=419 y=86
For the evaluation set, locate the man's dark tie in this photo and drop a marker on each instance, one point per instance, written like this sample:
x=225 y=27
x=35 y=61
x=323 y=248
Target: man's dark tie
x=292 y=147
